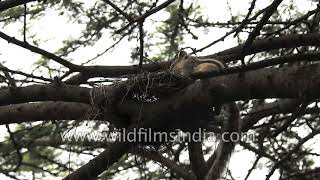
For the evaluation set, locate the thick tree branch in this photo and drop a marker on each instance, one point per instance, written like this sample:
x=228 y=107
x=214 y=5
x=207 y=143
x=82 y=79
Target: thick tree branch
x=286 y=82
x=114 y=71
x=196 y=99
x=152 y=155
x=289 y=41
x=103 y=161
x=50 y=92
x=307 y=57
x=29 y=112
x=197 y=161
x=4 y=5
x=263 y=83
x=111 y=155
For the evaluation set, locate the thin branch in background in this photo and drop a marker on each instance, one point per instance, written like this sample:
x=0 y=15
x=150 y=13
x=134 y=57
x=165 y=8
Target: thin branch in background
x=294 y=22
x=232 y=17
x=11 y=80
x=24 y=74
x=107 y=49
x=8 y=174
x=290 y=153
x=229 y=24
x=141 y=36
x=245 y=20
x=228 y=33
x=35 y=49
x=146 y=14
x=258 y=151
x=119 y=10
x=25 y=23
x=293 y=117
x=230 y=174
x=183 y=14
x=16 y=146
x=38 y=168
x=253 y=167
x=256 y=31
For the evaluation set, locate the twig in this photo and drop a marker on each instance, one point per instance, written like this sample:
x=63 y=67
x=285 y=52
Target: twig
x=294 y=116
x=24 y=74
x=25 y=23
x=145 y=15
x=295 y=149
x=245 y=20
x=256 y=31
x=119 y=10
x=228 y=33
x=253 y=167
x=38 y=50
x=16 y=146
x=141 y=33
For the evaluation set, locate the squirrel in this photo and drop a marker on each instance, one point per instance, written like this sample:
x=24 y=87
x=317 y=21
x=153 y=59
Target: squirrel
x=185 y=65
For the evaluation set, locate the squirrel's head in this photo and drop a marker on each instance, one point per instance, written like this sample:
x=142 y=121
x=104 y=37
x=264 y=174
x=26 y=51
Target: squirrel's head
x=182 y=55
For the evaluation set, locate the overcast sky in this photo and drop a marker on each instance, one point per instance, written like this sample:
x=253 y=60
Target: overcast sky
x=52 y=29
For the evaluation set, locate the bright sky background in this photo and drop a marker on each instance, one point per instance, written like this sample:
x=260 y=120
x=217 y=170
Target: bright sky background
x=52 y=29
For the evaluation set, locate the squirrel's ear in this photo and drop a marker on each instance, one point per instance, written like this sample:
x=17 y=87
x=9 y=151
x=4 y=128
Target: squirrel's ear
x=182 y=54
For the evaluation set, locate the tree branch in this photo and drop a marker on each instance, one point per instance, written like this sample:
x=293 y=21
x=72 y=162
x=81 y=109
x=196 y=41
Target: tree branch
x=49 y=92
x=294 y=150
x=256 y=31
x=172 y=165
x=29 y=112
x=4 y=5
x=39 y=51
x=146 y=14
x=119 y=10
x=197 y=161
x=231 y=54
x=289 y=41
